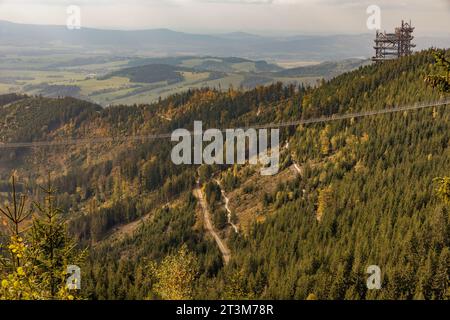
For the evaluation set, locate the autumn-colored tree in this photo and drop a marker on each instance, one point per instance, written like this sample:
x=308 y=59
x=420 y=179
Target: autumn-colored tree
x=35 y=262
x=443 y=188
x=311 y=296
x=325 y=144
x=54 y=249
x=175 y=275
x=440 y=81
x=323 y=201
x=236 y=288
x=16 y=264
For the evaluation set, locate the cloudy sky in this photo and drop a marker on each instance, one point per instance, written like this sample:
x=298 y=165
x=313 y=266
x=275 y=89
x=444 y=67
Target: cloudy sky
x=431 y=17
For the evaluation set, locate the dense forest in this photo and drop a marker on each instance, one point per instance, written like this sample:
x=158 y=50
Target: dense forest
x=372 y=191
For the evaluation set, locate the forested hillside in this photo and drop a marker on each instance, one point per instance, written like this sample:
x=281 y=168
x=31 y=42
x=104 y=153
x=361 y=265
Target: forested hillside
x=350 y=193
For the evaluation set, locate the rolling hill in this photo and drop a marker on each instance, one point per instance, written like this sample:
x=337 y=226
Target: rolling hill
x=128 y=80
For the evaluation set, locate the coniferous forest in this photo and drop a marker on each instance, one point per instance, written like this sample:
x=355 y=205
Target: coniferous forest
x=350 y=193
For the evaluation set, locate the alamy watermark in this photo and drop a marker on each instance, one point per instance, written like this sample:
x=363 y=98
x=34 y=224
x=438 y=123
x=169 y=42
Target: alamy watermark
x=238 y=147
x=73 y=21
x=73 y=282
x=374 y=280
x=374 y=20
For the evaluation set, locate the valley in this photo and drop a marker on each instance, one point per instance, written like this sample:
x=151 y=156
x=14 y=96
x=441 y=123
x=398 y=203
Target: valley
x=108 y=80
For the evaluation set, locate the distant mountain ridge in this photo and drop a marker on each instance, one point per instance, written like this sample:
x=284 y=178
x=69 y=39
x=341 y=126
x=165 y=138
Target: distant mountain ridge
x=168 y=42
x=165 y=42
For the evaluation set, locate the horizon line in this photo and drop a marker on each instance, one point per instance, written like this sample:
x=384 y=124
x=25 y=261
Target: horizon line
x=273 y=33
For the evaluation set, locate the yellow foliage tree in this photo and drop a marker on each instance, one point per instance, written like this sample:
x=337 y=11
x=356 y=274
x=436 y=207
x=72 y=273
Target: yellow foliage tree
x=323 y=202
x=235 y=287
x=443 y=188
x=175 y=275
x=311 y=296
x=440 y=81
x=27 y=271
x=325 y=144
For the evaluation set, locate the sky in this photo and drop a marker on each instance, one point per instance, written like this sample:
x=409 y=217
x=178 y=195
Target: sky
x=430 y=17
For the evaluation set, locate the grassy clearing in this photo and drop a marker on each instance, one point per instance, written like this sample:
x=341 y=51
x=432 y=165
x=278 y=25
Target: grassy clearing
x=30 y=74
x=91 y=86
x=294 y=64
x=243 y=203
x=244 y=67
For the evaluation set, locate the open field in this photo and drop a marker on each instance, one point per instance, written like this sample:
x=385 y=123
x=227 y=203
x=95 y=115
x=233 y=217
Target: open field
x=110 y=80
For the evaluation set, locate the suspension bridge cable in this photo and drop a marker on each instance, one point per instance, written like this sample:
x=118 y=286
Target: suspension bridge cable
x=140 y=138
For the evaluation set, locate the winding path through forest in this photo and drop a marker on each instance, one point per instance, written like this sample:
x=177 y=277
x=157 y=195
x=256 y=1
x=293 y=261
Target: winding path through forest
x=296 y=166
x=227 y=207
x=198 y=192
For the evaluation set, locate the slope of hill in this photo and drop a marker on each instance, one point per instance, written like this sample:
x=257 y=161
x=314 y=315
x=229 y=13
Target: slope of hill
x=329 y=69
x=210 y=63
x=365 y=195
x=151 y=73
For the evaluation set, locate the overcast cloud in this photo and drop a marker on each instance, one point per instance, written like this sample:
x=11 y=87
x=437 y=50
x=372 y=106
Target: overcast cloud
x=260 y=16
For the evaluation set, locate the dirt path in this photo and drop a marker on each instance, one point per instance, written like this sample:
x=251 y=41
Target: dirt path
x=164 y=117
x=198 y=192
x=296 y=166
x=227 y=207
x=299 y=170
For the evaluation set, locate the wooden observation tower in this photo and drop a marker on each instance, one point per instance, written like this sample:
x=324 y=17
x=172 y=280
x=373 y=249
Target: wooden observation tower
x=394 y=45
